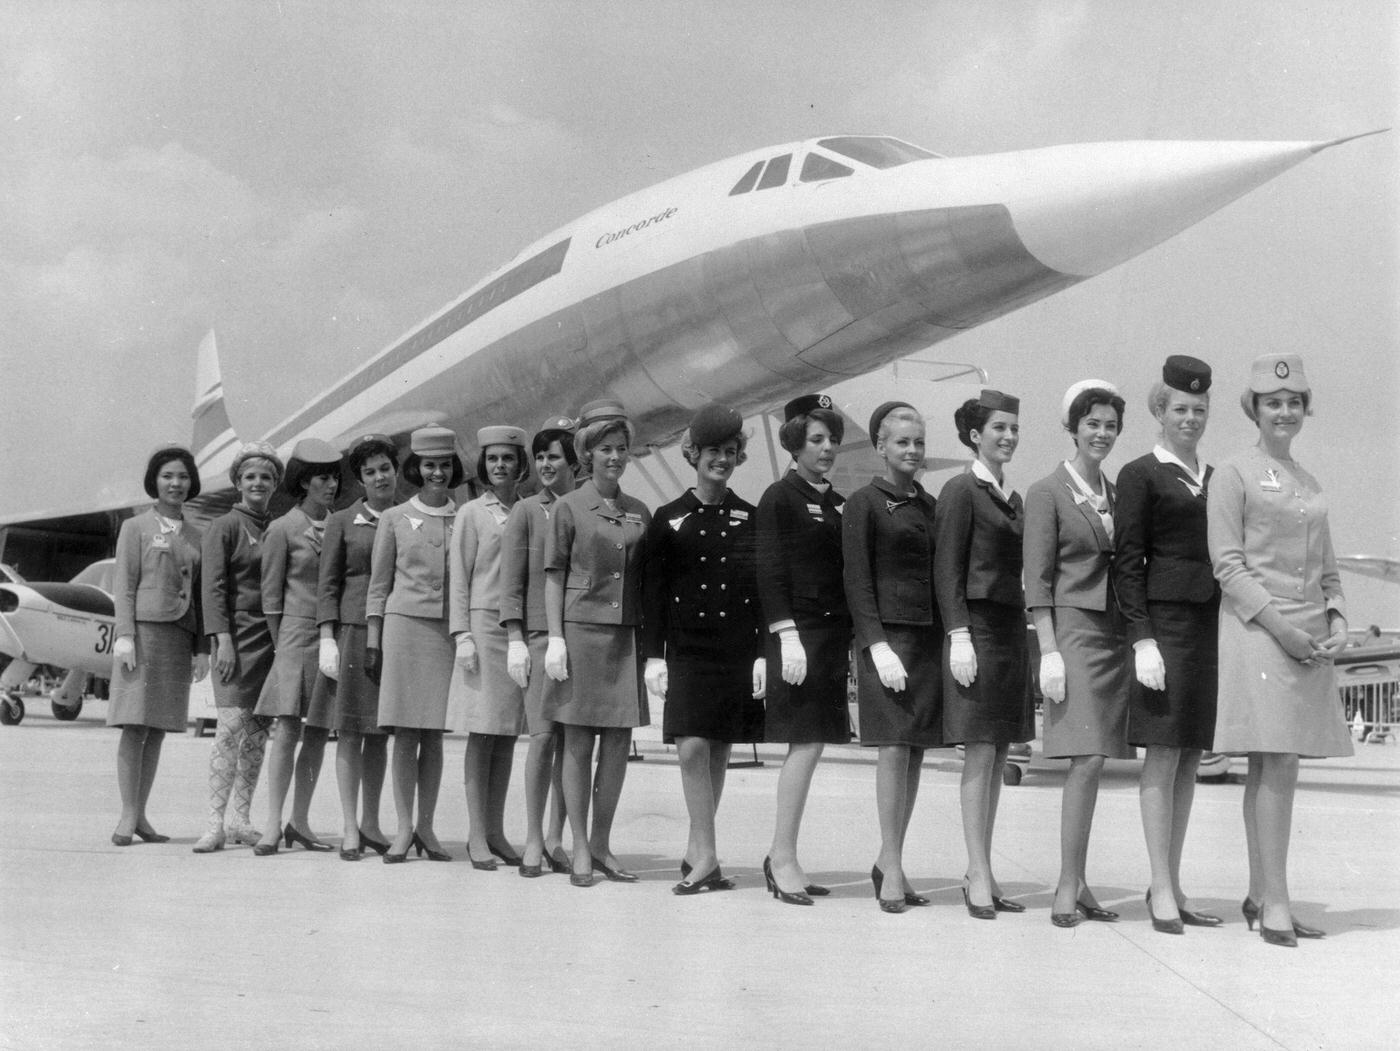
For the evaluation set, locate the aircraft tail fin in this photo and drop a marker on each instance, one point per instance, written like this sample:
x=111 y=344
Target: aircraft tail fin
x=213 y=440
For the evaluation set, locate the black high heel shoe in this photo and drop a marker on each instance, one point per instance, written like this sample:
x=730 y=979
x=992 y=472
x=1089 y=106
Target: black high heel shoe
x=1006 y=905
x=1174 y=926
x=489 y=865
x=433 y=855
x=266 y=850
x=714 y=881
x=391 y=858
x=893 y=906
x=351 y=855
x=507 y=858
x=531 y=871
x=1251 y=913
x=378 y=846
x=778 y=892
x=1286 y=938
x=151 y=837
x=1066 y=919
x=979 y=912
x=558 y=863
x=617 y=875
x=581 y=879
x=1093 y=912
x=290 y=835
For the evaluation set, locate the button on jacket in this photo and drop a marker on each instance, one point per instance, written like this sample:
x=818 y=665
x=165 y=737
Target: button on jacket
x=231 y=569
x=345 y=557
x=522 y=560
x=799 y=552
x=475 y=560
x=156 y=576
x=699 y=578
x=888 y=544
x=1159 y=528
x=602 y=551
x=408 y=569
x=1067 y=551
x=977 y=554
x=291 y=565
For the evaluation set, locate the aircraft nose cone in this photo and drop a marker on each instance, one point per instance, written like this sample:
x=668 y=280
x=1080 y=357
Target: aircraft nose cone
x=1083 y=209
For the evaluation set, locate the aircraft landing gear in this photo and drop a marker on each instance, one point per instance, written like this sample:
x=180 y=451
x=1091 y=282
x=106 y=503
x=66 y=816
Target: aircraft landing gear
x=65 y=713
x=67 y=700
x=11 y=709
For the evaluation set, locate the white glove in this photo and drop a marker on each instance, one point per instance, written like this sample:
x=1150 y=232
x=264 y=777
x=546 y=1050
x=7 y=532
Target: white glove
x=330 y=659
x=518 y=663
x=124 y=650
x=200 y=667
x=760 y=677
x=655 y=676
x=1151 y=671
x=556 y=659
x=794 y=657
x=1052 y=676
x=962 y=658
x=888 y=666
x=466 y=652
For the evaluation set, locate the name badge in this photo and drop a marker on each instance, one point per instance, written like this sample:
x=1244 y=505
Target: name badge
x=740 y=514
x=160 y=542
x=634 y=517
x=814 y=509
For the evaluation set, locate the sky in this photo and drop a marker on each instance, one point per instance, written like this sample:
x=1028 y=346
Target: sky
x=312 y=179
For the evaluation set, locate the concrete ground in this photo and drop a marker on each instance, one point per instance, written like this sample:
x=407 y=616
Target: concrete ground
x=152 y=946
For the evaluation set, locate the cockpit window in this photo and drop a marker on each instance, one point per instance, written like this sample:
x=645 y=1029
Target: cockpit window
x=776 y=173
x=745 y=184
x=816 y=168
x=876 y=151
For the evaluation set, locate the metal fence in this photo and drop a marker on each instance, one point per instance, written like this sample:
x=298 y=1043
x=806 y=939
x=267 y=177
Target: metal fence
x=1368 y=681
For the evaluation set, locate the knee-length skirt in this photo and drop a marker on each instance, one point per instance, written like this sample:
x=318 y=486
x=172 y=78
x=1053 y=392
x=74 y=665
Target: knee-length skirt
x=295 y=685
x=1182 y=715
x=815 y=711
x=487 y=700
x=543 y=694
x=605 y=669
x=417 y=672
x=1269 y=702
x=998 y=707
x=356 y=697
x=252 y=649
x=709 y=693
x=1093 y=717
x=156 y=693
x=913 y=716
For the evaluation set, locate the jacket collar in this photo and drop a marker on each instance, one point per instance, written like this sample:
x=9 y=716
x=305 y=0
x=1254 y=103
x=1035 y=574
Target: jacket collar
x=900 y=496
x=810 y=492
x=1082 y=505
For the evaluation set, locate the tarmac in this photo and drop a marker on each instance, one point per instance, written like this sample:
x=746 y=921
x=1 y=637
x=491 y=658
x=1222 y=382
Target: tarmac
x=152 y=946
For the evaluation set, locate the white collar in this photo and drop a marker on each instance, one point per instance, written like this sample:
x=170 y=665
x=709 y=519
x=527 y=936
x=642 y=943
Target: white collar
x=1099 y=500
x=1165 y=455
x=447 y=510
x=984 y=472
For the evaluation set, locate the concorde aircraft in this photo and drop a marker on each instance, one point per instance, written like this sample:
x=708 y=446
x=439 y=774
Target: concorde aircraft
x=775 y=271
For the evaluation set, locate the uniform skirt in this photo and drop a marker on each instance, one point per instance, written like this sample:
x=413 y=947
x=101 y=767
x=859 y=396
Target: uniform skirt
x=252 y=649
x=997 y=708
x=295 y=686
x=486 y=701
x=709 y=693
x=1268 y=701
x=1182 y=715
x=1093 y=717
x=543 y=694
x=605 y=669
x=418 y=662
x=156 y=693
x=356 y=698
x=815 y=711
x=914 y=716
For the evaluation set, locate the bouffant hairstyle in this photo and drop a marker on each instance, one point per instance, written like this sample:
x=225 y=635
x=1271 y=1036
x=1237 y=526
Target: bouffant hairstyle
x=413 y=471
x=691 y=451
x=364 y=452
x=160 y=458
x=1085 y=401
x=1249 y=402
x=590 y=435
x=1161 y=394
x=904 y=414
x=971 y=416
x=792 y=435
x=541 y=442
x=522 y=465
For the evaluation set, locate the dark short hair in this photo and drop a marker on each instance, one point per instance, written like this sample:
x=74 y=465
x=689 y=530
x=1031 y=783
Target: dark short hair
x=160 y=458
x=792 y=435
x=413 y=473
x=971 y=416
x=522 y=465
x=1085 y=401
x=541 y=442
x=362 y=453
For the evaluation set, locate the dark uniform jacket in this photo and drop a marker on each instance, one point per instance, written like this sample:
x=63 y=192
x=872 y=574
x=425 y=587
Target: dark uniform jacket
x=799 y=553
x=1160 y=534
x=977 y=549
x=345 y=559
x=888 y=540
x=231 y=568
x=698 y=580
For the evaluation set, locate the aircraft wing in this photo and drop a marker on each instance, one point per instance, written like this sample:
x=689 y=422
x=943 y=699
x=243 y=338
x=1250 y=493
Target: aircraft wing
x=1377 y=567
